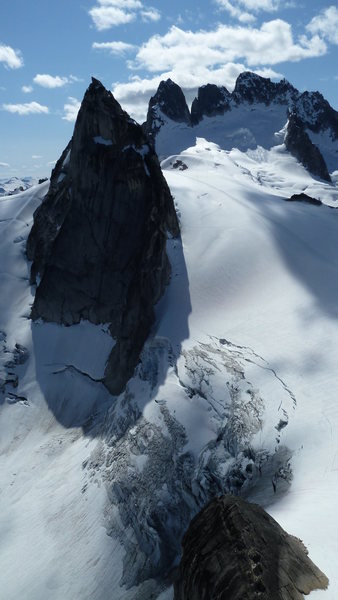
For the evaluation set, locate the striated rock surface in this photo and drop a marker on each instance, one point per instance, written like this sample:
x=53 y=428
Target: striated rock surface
x=299 y=144
x=98 y=243
x=234 y=550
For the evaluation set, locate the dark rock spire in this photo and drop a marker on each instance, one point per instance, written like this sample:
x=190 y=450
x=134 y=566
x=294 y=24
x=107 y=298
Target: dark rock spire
x=98 y=243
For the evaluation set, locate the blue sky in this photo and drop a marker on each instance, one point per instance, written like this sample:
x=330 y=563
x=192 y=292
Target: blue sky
x=49 y=50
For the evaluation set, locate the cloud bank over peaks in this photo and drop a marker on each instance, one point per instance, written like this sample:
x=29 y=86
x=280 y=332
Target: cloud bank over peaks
x=112 y=13
x=270 y=44
x=11 y=58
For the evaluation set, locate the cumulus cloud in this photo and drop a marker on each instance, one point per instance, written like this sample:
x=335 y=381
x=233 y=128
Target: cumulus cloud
x=243 y=9
x=29 y=108
x=270 y=44
x=111 y=13
x=50 y=81
x=4 y=164
x=151 y=14
x=116 y=48
x=11 y=58
x=71 y=108
x=325 y=24
x=27 y=89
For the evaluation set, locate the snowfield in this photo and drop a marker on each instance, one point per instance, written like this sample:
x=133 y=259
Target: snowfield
x=236 y=389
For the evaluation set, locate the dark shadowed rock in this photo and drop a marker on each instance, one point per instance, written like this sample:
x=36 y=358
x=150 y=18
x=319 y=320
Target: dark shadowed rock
x=98 y=243
x=252 y=88
x=298 y=143
x=169 y=101
x=211 y=100
x=234 y=550
x=316 y=113
x=304 y=198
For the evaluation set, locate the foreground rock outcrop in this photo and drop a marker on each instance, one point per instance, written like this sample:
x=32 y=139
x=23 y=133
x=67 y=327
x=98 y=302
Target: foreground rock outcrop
x=234 y=550
x=98 y=243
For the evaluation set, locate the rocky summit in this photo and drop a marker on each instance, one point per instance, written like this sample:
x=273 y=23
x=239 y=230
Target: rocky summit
x=169 y=99
x=234 y=550
x=98 y=243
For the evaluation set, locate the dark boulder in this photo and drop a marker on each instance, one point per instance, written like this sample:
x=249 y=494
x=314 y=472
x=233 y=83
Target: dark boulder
x=98 y=243
x=234 y=550
x=304 y=198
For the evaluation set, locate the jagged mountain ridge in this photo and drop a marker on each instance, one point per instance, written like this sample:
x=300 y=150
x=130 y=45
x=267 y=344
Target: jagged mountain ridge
x=97 y=245
x=310 y=110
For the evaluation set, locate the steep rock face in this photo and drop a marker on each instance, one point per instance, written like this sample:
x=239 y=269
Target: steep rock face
x=211 y=100
x=98 y=241
x=169 y=101
x=234 y=550
x=299 y=145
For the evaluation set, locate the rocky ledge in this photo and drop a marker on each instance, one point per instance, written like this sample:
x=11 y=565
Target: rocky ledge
x=98 y=243
x=234 y=550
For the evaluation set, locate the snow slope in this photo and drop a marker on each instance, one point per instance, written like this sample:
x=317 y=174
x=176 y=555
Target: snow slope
x=236 y=389
x=15 y=185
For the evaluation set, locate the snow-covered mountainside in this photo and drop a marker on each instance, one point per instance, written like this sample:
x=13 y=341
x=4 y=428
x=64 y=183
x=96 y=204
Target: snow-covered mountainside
x=15 y=185
x=235 y=390
x=257 y=113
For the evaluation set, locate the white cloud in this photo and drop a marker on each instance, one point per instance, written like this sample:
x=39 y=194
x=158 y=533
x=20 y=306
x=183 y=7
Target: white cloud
x=36 y=156
x=11 y=58
x=239 y=8
x=28 y=108
x=150 y=14
x=50 y=81
x=235 y=11
x=111 y=13
x=325 y=24
x=186 y=51
x=3 y=164
x=27 y=89
x=116 y=48
x=71 y=108
x=51 y=163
